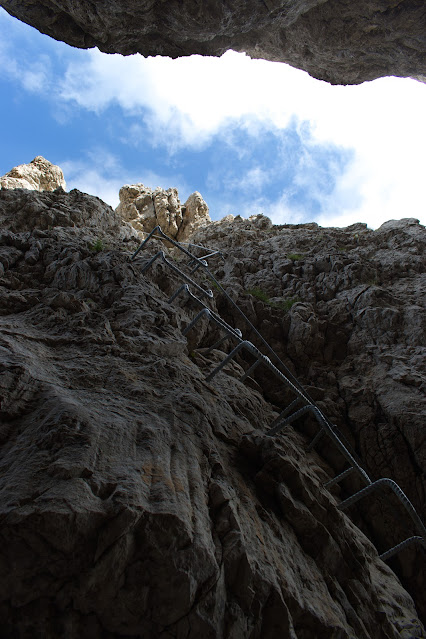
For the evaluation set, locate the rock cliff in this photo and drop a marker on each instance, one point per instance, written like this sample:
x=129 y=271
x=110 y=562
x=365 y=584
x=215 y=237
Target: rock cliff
x=341 y=42
x=138 y=499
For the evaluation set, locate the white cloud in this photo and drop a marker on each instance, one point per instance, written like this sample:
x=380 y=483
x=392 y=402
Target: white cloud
x=101 y=173
x=33 y=73
x=193 y=97
x=279 y=211
x=185 y=103
x=190 y=100
x=254 y=180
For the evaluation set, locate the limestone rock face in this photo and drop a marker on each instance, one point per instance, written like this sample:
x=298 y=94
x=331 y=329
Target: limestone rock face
x=145 y=209
x=345 y=310
x=38 y=175
x=341 y=42
x=136 y=499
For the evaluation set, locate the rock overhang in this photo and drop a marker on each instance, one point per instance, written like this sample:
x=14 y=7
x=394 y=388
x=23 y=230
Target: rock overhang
x=335 y=41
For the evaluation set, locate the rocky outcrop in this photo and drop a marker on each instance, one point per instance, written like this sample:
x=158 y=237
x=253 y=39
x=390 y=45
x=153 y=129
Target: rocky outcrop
x=38 y=175
x=195 y=216
x=145 y=209
x=136 y=499
x=341 y=42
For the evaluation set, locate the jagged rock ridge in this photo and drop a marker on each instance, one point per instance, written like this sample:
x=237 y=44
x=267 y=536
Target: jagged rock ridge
x=138 y=500
x=340 y=42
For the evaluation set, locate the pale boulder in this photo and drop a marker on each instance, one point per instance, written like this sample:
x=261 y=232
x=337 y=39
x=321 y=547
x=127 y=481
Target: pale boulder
x=145 y=209
x=195 y=215
x=168 y=211
x=38 y=175
x=137 y=207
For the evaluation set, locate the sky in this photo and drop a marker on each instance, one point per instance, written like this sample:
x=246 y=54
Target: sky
x=251 y=136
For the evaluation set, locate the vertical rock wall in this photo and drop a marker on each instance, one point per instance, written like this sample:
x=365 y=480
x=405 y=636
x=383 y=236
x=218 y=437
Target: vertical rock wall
x=136 y=499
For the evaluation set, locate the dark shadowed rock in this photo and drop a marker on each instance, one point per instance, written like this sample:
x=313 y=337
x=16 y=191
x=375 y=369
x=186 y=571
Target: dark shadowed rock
x=334 y=40
x=138 y=500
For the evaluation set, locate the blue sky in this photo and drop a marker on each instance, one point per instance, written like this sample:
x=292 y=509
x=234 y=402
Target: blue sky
x=252 y=136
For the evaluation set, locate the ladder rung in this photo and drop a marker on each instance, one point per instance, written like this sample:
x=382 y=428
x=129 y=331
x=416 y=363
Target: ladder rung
x=316 y=439
x=338 y=478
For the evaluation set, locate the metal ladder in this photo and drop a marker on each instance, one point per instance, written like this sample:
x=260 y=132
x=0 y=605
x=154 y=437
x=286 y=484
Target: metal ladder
x=302 y=403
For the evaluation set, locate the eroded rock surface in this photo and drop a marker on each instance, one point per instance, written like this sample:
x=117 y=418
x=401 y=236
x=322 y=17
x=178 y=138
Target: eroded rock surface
x=345 y=310
x=145 y=209
x=38 y=175
x=341 y=42
x=135 y=498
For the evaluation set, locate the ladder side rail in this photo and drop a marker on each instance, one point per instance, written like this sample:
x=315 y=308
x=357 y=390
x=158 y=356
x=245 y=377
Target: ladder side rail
x=401 y=496
x=403 y=544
